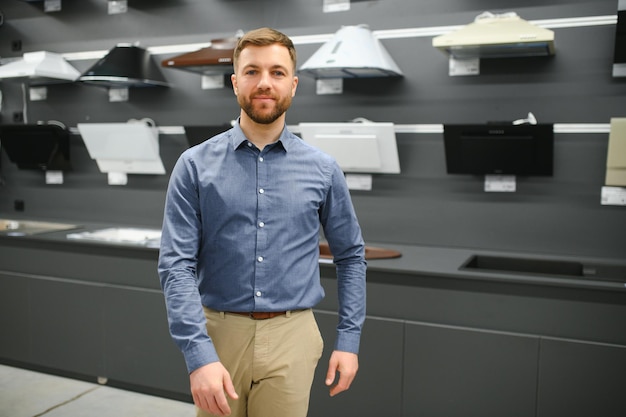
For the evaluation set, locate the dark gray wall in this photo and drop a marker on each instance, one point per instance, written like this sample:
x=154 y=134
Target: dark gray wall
x=423 y=205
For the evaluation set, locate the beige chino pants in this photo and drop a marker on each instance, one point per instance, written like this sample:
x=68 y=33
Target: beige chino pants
x=272 y=362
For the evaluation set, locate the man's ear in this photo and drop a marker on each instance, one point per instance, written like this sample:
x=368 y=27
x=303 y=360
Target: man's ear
x=295 y=86
x=233 y=80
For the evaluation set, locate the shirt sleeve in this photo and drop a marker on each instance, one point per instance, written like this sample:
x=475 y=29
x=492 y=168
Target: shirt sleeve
x=177 y=267
x=343 y=233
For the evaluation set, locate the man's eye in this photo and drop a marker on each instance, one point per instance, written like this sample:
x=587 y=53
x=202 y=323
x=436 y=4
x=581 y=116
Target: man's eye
x=279 y=73
x=250 y=72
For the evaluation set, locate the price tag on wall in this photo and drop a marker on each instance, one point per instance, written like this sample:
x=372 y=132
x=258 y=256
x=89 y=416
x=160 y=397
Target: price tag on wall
x=457 y=67
x=54 y=177
x=359 y=182
x=117 y=7
x=52 y=6
x=331 y=6
x=500 y=183
x=117 y=178
x=613 y=196
x=38 y=93
x=211 y=82
x=329 y=86
x=118 y=94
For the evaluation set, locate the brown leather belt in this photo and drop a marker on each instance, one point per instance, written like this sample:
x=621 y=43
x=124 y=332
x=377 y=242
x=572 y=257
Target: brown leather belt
x=259 y=315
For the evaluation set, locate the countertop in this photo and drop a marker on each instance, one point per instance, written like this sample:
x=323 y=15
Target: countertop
x=436 y=262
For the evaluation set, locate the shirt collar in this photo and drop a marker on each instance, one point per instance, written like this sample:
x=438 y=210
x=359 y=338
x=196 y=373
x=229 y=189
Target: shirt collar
x=238 y=138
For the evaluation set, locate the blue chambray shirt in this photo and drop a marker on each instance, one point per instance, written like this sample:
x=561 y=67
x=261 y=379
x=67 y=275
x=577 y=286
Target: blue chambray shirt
x=241 y=232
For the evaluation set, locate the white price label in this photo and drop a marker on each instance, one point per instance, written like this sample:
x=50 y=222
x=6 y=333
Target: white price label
x=117 y=178
x=359 y=182
x=329 y=86
x=118 y=94
x=117 y=7
x=458 y=67
x=54 y=177
x=51 y=6
x=613 y=196
x=38 y=93
x=211 y=82
x=331 y=6
x=500 y=183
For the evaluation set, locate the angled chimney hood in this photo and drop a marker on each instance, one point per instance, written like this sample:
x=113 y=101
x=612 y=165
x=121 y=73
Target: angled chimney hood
x=125 y=65
x=214 y=59
x=497 y=36
x=129 y=148
x=40 y=68
x=353 y=52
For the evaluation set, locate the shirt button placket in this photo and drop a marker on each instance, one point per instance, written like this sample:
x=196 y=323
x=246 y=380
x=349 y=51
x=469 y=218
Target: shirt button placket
x=260 y=281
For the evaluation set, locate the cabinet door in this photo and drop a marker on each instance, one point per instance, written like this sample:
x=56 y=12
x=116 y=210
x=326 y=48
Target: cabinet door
x=581 y=379
x=377 y=389
x=14 y=318
x=461 y=372
x=138 y=349
x=66 y=326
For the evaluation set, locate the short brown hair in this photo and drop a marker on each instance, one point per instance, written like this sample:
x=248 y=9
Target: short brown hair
x=264 y=37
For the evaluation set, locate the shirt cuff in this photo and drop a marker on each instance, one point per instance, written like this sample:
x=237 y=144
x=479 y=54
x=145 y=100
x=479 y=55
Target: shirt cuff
x=199 y=355
x=348 y=342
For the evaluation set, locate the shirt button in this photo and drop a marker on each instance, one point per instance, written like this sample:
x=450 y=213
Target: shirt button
x=258 y=293
x=249 y=145
x=261 y=190
x=261 y=224
x=260 y=259
x=261 y=159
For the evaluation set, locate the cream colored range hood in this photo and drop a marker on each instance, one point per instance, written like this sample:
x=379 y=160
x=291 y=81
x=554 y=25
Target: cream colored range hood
x=497 y=36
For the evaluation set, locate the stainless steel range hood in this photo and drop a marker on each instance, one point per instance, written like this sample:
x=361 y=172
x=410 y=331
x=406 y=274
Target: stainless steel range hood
x=125 y=65
x=214 y=59
x=353 y=52
x=497 y=36
x=40 y=67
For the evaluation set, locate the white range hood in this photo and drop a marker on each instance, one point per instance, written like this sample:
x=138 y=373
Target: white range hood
x=497 y=36
x=40 y=67
x=353 y=52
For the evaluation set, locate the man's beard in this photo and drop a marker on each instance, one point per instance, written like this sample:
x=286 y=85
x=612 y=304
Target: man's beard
x=261 y=116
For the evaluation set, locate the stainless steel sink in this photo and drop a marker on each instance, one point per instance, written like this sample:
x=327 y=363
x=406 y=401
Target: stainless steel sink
x=10 y=227
x=121 y=235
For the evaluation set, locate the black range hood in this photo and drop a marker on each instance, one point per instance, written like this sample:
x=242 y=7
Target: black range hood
x=40 y=146
x=125 y=65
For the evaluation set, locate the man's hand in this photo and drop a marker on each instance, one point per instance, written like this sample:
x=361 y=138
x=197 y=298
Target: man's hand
x=209 y=384
x=346 y=364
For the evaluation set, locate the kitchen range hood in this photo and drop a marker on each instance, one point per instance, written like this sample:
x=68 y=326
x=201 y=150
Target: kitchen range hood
x=214 y=59
x=39 y=67
x=616 y=153
x=125 y=65
x=38 y=146
x=353 y=52
x=129 y=148
x=497 y=36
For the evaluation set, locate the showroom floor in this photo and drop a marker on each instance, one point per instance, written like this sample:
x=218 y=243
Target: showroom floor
x=25 y=393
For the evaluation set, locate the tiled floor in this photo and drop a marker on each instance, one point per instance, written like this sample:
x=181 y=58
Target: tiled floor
x=25 y=393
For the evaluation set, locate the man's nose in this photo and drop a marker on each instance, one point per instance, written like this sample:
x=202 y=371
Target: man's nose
x=264 y=80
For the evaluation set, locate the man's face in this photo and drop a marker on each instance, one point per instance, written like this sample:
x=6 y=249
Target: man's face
x=264 y=82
